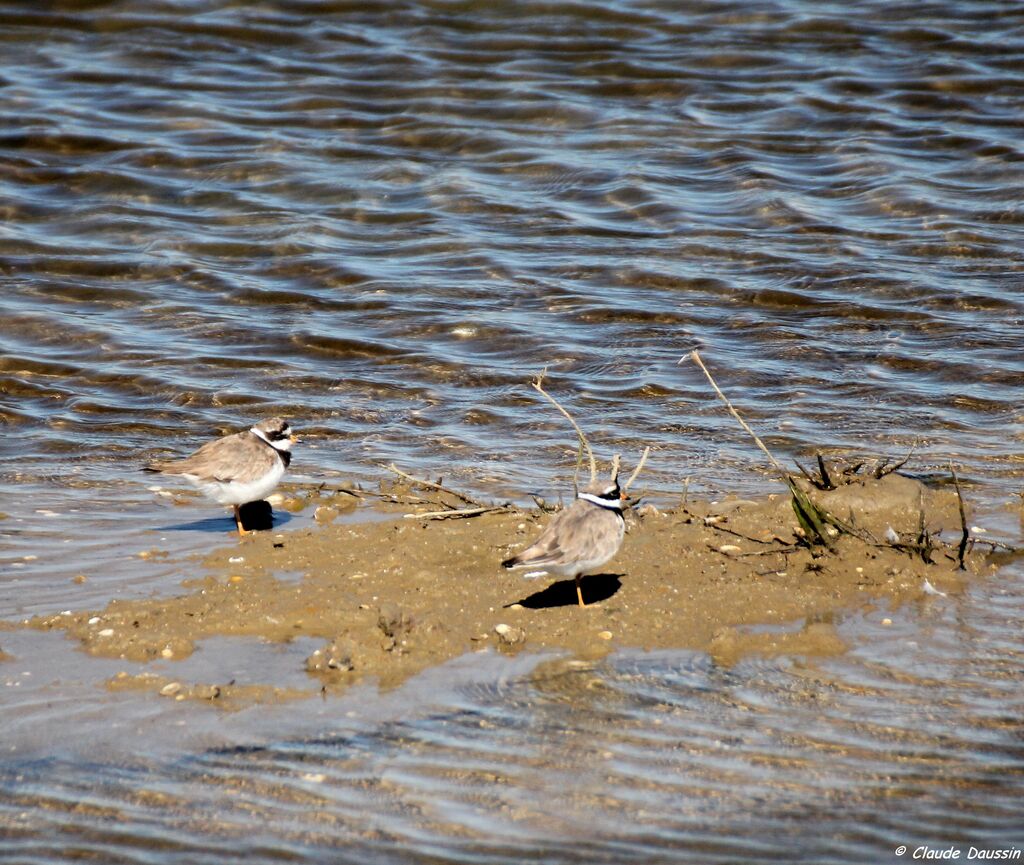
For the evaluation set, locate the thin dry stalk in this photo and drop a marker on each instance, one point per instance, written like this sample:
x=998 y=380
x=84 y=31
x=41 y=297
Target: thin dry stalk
x=778 y=551
x=812 y=519
x=357 y=494
x=965 y=532
x=885 y=469
x=537 y=385
x=431 y=485
x=735 y=534
x=616 y=463
x=460 y=512
x=806 y=473
x=695 y=357
x=639 y=466
x=826 y=481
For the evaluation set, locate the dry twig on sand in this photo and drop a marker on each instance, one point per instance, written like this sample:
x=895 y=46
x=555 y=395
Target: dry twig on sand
x=883 y=469
x=469 y=500
x=348 y=491
x=448 y=511
x=458 y=512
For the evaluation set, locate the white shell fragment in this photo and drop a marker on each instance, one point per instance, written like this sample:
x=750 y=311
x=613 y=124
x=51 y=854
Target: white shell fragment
x=509 y=635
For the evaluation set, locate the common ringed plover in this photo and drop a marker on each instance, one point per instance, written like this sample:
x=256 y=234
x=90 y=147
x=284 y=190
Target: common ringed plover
x=581 y=538
x=238 y=468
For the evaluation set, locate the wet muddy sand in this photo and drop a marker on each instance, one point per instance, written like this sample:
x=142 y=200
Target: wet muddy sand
x=392 y=595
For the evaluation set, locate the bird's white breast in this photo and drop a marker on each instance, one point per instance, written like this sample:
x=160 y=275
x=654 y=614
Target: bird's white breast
x=237 y=492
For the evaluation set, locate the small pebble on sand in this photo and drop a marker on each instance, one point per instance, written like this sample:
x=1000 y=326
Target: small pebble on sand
x=324 y=514
x=170 y=689
x=206 y=692
x=509 y=635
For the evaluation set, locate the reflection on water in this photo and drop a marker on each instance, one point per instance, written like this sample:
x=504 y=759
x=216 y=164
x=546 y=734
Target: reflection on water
x=380 y=220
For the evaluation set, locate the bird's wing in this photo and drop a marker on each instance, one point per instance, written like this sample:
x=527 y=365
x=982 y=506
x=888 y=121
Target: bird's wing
x=234 y=457
x=570 y=533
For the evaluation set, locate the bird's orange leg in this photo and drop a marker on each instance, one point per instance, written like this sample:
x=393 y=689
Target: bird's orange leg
x=238 y=522
x=579 y=591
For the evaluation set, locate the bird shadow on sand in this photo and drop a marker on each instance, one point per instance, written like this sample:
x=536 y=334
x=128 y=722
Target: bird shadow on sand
x=596 y=587
x=226 y=524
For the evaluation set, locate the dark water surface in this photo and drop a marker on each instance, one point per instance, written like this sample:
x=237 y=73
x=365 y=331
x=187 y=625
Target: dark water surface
x=380 y=219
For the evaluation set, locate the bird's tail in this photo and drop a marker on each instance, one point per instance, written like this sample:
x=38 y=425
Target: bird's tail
x=511 y=563
x=167 y=468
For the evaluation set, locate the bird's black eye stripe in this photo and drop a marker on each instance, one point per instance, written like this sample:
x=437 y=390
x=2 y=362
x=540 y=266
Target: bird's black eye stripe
x=280 y=434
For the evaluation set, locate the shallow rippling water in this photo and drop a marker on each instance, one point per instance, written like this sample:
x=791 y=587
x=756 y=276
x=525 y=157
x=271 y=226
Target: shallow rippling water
x=380 y=219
